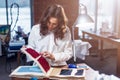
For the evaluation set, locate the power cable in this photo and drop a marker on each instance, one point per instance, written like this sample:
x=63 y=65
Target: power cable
x=11 y=14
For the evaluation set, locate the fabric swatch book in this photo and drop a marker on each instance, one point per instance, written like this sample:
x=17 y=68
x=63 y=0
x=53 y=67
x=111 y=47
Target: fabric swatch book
x=38 y=58
x=44 y=69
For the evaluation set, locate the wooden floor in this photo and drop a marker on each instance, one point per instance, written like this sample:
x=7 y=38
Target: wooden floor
x=107 y=66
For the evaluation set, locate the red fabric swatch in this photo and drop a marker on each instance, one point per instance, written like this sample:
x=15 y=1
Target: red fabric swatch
x=44 y=63
x=32 y=52
x=41 y=61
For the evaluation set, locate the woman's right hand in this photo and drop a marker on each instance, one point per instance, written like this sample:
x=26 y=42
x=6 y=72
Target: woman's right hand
x=24 y=46
x=48 y=55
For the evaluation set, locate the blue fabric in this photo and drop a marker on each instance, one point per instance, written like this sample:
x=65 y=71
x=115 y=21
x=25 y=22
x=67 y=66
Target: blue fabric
x=33 y=78
x=15 y=47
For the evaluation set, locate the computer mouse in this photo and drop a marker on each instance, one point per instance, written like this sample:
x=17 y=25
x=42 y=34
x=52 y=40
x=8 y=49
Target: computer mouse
x=72 y=66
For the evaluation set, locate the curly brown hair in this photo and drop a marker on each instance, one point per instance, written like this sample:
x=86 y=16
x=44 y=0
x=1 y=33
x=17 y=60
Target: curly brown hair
x=56 y=11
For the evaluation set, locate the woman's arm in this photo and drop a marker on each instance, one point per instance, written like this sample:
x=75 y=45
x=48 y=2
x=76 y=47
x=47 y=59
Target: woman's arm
x=66 y=53
x=32 y=37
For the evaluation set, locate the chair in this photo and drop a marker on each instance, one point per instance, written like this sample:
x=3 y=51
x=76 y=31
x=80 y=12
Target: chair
x=95 y=46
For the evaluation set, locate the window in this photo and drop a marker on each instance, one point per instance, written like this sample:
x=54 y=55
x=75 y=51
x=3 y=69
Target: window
x=3 y=12
x=105 y=13
x=102 y=11
x=16 y=13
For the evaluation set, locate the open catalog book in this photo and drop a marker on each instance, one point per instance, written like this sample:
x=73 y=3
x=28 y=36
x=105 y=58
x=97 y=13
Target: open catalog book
x=44 y=69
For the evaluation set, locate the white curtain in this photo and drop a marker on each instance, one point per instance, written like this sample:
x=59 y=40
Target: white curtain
x=117 y=17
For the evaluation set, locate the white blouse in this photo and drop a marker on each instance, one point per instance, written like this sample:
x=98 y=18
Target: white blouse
x=62 y=51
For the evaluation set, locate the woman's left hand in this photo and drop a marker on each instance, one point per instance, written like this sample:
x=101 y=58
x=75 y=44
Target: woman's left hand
x=48 y=55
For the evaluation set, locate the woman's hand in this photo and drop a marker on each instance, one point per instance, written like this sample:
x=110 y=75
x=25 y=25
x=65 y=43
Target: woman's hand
x=24 y=46
x=48 y=55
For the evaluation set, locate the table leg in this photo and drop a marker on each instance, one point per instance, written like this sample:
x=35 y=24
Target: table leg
x=83 y=35
x=101 y=50
x=18 y=57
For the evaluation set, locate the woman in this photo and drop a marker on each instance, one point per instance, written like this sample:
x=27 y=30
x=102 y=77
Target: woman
x=52 y=37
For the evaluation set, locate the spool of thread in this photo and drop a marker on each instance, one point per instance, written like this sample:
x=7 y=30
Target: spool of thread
x=72 y=66
x=34 y=78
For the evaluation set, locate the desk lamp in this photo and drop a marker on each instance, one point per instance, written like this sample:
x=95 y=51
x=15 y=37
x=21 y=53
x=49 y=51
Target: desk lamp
x=83 y=19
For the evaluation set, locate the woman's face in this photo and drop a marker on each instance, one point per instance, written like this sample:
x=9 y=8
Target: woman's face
x=52 y=23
